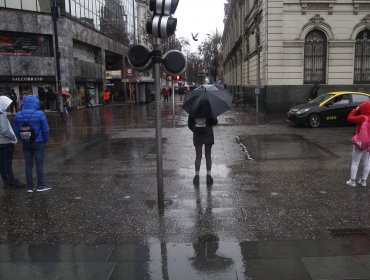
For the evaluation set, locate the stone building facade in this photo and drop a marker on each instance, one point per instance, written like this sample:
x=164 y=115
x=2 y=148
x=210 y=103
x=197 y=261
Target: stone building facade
x=93 y=42
x=285 y=47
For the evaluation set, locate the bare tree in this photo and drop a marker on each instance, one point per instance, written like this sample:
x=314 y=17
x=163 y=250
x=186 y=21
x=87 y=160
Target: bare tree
x=210 y=51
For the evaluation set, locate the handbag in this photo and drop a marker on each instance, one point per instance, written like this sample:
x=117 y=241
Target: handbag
x=362 y=138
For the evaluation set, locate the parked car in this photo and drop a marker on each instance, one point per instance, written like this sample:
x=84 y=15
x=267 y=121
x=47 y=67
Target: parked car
x=328 y=108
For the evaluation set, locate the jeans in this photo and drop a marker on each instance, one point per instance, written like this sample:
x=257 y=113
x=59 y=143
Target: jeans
x=34 y=152
x=6 y=160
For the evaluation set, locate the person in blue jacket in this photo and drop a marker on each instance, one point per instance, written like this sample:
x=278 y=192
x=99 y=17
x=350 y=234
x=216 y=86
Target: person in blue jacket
x=33 y=151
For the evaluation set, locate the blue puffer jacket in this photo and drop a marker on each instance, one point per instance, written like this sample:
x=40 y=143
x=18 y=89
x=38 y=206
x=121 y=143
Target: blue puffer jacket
x=31 y=113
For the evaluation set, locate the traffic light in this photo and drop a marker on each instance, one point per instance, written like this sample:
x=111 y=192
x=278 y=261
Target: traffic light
x=174 y=62
x=178 y=78
x=162 y=24
x=140 y=58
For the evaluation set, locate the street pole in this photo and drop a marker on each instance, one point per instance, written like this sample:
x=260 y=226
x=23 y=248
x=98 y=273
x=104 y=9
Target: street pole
x=258 y=89
x=158 y=129
x=55 y=15
x=173 y=98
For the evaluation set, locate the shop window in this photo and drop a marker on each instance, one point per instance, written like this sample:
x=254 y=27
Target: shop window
x=25 y=44
x=362 y=58
x=315 y=48
x=29 y=5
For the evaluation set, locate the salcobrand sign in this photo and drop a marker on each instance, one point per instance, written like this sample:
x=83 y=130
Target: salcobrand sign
x=27 y=79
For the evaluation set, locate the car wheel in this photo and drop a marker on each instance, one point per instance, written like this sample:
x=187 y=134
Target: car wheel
x=314 y=120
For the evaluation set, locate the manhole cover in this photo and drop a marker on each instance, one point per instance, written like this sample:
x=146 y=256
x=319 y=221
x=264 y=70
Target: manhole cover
x=282 y=146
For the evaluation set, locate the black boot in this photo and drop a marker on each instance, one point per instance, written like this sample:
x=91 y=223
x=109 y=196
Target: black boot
x=209 y=180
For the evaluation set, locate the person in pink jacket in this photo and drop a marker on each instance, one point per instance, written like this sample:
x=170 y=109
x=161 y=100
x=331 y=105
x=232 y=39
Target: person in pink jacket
x=358 y=116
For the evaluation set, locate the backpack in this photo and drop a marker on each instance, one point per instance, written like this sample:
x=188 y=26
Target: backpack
x=362 y=139
x=26 y=131
x=201 y=126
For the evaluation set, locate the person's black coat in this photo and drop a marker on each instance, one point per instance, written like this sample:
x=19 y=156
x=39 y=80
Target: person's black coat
x=206 y=138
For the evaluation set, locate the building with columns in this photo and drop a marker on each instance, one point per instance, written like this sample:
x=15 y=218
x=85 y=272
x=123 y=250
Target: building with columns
x=285 y=47
x=93 y=39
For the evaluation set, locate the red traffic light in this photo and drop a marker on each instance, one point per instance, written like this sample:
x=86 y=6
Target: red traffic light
x=178 y=78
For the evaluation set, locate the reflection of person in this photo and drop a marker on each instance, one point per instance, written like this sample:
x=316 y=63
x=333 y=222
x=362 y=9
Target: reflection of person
x=358 y=116
x=314 y=91
x=202 y=135
x=207 y=242
x=7 y=142
x=33 y=151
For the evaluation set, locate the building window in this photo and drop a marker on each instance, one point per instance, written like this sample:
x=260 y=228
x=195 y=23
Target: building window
x=315 y=48
x=362 y=58
x=25 y=44
x=29 y=5
x=15 y=4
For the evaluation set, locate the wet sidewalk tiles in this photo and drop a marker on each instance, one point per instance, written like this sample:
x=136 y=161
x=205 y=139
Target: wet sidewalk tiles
x=207 y=258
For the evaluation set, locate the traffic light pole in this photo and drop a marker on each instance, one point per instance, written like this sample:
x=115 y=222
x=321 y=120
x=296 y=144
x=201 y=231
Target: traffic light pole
x=173 y=98
x=158 y=129
x=54 y=14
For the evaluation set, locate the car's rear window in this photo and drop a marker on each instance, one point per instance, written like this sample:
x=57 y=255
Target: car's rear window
x=359 y=98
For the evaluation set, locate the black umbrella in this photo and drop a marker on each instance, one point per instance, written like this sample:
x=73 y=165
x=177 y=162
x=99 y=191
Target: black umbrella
x=207 y=102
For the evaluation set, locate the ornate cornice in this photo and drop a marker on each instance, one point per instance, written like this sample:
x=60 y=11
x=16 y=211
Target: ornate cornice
x=361 y=5
x=318 y=5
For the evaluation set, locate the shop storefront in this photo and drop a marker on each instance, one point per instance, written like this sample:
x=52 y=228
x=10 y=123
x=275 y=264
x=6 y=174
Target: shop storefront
x=41 y=86
x=87 y=89
x=114 y=84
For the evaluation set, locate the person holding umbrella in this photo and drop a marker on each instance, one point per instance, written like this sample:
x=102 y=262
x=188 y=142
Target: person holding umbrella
x=203 y=105
x=201 y=127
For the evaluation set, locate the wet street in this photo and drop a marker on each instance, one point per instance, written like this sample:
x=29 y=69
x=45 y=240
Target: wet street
x=279 y=207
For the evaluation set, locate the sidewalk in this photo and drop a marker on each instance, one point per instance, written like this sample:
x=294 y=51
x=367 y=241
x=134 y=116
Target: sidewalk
x=286 y=214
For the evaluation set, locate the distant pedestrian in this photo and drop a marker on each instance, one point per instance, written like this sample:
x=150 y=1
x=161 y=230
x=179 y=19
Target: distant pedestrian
x=314 y=91
x=202 y=136
x=88 y=98
x=165 y=94
x=32 y=121
x=66 y=101
x=14 y=106
x=7 y=143
x=106 y=97
x=358 y=116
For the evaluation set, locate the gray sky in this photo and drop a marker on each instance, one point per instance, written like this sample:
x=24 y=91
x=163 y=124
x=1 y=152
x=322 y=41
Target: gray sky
x=199 y=16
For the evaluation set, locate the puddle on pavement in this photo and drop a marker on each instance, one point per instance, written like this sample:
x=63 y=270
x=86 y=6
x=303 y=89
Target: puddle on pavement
x=282 y=146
